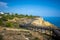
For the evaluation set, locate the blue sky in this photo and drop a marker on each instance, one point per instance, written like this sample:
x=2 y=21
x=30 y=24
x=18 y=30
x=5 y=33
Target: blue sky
x=32 y=7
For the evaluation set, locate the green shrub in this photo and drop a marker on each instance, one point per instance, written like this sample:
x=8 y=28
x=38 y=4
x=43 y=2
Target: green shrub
x=9 y=24
x=1 y=22
x=1 y=37
x=36 y=38
x=4 y=18
x=16 y=25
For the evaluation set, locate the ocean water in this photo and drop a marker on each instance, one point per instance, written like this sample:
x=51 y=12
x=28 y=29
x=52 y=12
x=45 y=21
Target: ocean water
x=53 y=20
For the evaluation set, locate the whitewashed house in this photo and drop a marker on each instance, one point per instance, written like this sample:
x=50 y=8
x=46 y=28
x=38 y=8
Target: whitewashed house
x=1 y=12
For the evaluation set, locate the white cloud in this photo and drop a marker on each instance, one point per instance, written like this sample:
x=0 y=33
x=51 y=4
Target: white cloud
x=3 y=4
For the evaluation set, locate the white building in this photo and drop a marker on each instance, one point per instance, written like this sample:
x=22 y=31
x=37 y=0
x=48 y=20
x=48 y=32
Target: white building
x=1 y=13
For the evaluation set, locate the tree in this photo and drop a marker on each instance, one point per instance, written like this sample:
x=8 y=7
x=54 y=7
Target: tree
x=21 y=15
x=26 y=15
x=16 y=15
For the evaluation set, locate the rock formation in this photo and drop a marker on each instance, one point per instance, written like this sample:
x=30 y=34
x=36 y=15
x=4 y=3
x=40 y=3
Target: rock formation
x=41 y=22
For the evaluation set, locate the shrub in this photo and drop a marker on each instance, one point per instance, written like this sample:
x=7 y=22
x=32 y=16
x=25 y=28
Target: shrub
x=36 y=38
x=9 y=24
x=1 y=22
x=4 y=18
x=1 y=37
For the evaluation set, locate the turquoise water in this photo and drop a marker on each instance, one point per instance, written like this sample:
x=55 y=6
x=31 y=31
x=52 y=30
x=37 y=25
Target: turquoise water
x=53 y=20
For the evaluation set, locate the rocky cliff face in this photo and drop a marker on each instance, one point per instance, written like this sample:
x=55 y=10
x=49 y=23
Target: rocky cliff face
x=20 y=34
x=17 y=34
x=38 y=21
x=41 y=22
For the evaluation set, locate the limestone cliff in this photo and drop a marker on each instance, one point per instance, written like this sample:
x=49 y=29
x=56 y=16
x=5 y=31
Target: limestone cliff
x=38 y=21
x=41 y=22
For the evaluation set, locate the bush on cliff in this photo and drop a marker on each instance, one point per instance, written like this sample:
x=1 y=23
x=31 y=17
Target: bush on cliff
x=9 y=24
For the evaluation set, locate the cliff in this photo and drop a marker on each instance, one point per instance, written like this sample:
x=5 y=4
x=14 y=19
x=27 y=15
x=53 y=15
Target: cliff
x=41 y=22
x=13 y=33
x=22 y=34
x=38 y=21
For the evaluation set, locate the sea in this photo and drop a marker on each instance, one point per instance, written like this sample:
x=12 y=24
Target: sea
x=53 y=20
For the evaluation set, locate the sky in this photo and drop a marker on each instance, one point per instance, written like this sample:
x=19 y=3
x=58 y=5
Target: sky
x=31 y=7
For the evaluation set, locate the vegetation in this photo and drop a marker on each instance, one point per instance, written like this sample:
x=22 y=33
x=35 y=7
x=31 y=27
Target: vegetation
x=9 y=24
x=7 y=16
x=1 y=37
x=1 y=22
x=36 y=38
